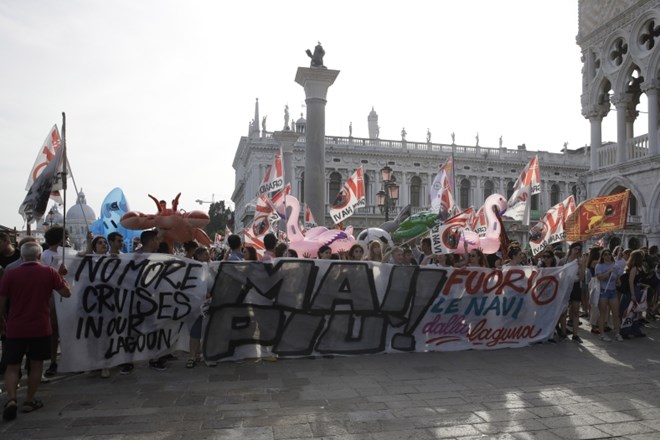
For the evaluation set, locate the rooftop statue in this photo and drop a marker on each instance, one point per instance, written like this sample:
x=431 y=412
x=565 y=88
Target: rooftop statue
x=317 y=57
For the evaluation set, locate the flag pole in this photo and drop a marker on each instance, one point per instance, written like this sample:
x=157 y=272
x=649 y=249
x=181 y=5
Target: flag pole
x=64 y=172
x=453 y=179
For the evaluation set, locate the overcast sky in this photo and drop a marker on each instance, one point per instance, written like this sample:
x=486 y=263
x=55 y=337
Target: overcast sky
x=158 y=93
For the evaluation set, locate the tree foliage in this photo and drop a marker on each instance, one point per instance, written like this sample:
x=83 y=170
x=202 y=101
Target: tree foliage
x=221 y=216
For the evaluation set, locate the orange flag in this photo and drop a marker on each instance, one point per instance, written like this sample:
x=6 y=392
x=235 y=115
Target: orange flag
x=597 y=216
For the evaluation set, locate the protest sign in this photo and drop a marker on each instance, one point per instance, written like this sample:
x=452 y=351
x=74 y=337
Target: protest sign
x=128 y=308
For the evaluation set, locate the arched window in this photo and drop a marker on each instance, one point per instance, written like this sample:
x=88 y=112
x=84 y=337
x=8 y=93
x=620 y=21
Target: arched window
x=489 y=188
x=465 y=193
x=367 y=189
x=554 y=194
x=632 y=205
x=535 y=202
x=415 y=191
x=334 y=186
x=509 y=189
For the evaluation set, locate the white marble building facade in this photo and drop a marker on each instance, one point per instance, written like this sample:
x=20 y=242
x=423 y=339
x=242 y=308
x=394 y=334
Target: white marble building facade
x=480 y=171
x=620 y=43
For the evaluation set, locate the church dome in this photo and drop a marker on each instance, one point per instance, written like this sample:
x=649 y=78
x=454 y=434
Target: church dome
x=81 y=211
x=301 y=125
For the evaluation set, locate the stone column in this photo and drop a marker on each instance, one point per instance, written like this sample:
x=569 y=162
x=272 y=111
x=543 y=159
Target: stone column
x=652 y=98
x=621 y=105
x=316 y=82
x=479 y=192
x=596 y=139
x=287 y=139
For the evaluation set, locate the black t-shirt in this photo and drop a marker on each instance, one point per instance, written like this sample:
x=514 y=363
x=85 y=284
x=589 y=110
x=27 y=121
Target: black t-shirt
x=6 y=260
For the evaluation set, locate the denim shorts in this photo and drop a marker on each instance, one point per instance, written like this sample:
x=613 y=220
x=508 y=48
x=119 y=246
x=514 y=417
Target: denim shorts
x=606 y=295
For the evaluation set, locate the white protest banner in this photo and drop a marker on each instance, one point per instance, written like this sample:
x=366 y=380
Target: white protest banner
x=294 y=308
x=134 y=307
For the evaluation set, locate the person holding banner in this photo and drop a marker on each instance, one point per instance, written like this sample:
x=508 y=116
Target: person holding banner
x=476 y=258
x=55 y=237
x=632 y=290
x=234 y=242
x=356 y=252
x=28 y=327
x=575 y=254
x=270 y=241
x=250 y=253
x=607 y=275
x=200 y=254
x=375 y=252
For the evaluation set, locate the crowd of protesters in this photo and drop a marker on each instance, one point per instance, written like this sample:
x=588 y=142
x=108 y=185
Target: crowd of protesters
x=29 y=328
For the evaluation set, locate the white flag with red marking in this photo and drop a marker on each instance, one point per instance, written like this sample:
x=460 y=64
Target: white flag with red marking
x=550 y=228
x=445 y=237
x=527 y=184
x=351 y=196
x=274 y=178
x=278 y=200
x=256 y=243
x=45 y=155
x=442 y=199
x=310 y=222
x=265 y=221
x=36 y=200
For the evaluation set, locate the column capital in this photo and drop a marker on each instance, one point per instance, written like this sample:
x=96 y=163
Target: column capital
x=621 y=99
x=652 y=85
x=316 y=81
x=286 y=138
x=595 y=111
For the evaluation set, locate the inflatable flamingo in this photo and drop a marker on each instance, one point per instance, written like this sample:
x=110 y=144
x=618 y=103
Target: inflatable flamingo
x=455 y=238
x=494 y=206
x=309 y=243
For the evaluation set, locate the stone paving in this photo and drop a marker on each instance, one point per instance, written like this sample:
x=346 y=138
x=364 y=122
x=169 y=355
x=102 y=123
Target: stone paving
x=547 y=391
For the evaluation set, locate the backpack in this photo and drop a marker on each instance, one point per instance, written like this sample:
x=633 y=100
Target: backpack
x=624 y=287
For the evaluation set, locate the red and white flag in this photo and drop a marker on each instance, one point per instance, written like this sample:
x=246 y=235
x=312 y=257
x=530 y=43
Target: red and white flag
x=445 y=237
x=351 y=196
x=274 y=178
x=478 y=223
x=228 y=231
x=265 y=221
x=256 y=243
x=442 y=199
x=310 y=222
x=278 y=200
x=47 y=151
x=49 y=179
x=550 y=228
x=527 y=184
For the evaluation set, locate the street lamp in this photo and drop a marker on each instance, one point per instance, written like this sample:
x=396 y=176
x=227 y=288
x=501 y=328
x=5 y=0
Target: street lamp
x=387 y=197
